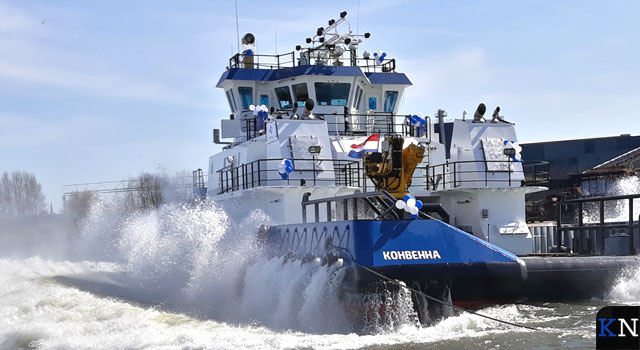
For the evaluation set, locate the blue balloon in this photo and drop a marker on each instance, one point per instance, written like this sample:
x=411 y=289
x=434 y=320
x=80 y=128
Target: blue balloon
x=284 y=176
x=419 y=204
x=289 y=169
x=288 y=163
x=406 y=197
x=413 y=216
x=423 y=122
x=248 y=52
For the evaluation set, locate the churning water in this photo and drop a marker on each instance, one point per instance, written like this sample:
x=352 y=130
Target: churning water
x=184 y=277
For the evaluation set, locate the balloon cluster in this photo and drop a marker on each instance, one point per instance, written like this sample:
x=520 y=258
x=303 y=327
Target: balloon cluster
x=260 y=111
x=379 y=56
x=416 y=119
x=249 y=50
x=516 y=157
x=286 y=167
x=410 y=205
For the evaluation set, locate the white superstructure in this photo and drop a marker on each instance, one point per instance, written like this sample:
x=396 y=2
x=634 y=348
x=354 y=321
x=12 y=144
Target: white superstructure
x=321 y=102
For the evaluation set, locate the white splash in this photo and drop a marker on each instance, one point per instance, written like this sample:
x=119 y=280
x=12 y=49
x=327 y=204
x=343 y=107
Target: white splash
x=615 y=211
x=189 y=277
x=626 y=289
x=38 y=312
x=195 y=259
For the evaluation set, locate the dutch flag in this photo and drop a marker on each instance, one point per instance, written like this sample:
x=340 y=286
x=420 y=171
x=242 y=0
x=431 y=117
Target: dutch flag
x=369 y=145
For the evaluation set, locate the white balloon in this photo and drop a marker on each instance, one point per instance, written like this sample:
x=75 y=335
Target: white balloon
x=264 y=108
x=411 y=202
x=252 y=108
x=413 y=210
x=400 y=204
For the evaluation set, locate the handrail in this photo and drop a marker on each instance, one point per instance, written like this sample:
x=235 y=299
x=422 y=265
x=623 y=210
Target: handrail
x=370 y=66
x=536 y=172
x=379 y=122
x=604 y=198
x=448 y=175
x=264 y=172
x=236 y=61
x=599 y=227
x=385 y=199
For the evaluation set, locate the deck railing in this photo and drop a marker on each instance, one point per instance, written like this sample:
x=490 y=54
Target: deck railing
x=311 y=172
x=264 y=61
x=591 y=220
x=353 y=125
x=452 y=175
x=309 y=57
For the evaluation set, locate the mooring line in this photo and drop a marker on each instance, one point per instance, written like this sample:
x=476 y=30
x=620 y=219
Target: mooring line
x=396 y=282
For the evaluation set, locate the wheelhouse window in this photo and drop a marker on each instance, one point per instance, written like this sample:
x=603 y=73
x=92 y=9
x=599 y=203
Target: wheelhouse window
x=264 y=100
x=301 y=93
x=284 y=97
x=231 y=101
x=373 y=103
x=246 y=96
x=332 y=94
x=390 y=99
x=357 y=97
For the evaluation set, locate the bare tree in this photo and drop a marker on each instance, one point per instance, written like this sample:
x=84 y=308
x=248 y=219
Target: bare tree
x=20 y=195
x=78 y=204
x=146 y=191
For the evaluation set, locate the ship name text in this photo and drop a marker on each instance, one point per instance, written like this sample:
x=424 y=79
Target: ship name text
x=411 y=255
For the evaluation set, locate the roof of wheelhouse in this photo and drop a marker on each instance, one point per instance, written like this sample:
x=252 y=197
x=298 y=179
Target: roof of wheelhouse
x=289 y=72
x=332 y=51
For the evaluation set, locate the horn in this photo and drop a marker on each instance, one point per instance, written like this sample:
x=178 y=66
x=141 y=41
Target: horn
x=478 y=116
x=496 y=115
x=308 y=108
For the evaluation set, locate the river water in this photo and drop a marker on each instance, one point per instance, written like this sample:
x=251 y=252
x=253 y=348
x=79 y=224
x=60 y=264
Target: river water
x=189 y=278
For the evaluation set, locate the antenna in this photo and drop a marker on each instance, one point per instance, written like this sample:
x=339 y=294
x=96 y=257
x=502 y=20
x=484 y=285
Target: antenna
x=276 y=34
x=237 y=27
x=358 y=19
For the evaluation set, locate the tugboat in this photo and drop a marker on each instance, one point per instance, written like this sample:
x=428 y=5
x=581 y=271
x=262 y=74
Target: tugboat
x=314 y=139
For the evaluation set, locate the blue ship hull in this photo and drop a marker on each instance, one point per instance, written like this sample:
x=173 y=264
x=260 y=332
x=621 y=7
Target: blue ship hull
x=431 y=252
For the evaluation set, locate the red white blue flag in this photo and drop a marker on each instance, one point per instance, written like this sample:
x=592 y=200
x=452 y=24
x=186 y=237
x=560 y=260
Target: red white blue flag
x=369 y=145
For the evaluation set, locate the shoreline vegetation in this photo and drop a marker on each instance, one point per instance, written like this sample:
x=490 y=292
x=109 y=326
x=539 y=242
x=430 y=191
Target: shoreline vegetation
x=21 y=196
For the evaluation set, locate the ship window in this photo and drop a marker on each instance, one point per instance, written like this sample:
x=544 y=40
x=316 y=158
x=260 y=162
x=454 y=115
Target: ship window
x=373 y=103
x=390 y=99
x=231 y=101
x=246 y=96
x=284 y=96
x=301 y=93
x=358 y=98
x=264 y=100
x=332 y=94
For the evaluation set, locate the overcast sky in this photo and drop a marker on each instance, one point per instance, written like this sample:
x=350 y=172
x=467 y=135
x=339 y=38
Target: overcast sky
x=102 y=90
